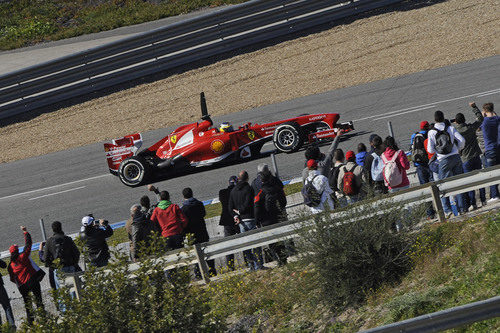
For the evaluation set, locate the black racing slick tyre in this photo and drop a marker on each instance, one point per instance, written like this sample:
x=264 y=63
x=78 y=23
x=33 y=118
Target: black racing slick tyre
x=134 y=171
x=288 y=137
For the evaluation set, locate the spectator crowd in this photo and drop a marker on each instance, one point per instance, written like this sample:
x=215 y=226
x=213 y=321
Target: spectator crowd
x=440 y=149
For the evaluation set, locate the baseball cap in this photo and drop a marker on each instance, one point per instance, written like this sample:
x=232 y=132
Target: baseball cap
x=350 y=155
x=87 y=220
x=423 y=124
x=233 y=180
x=13 y=249
x=312 y=164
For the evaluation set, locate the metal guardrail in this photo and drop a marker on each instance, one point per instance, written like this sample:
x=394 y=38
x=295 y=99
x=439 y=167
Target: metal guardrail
x=166 y=48
x=446 y=319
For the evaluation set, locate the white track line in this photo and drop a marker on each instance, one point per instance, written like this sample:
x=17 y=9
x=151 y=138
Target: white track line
x=400 y=113
x=420 y=107
x=51 y=194
x=55 y=186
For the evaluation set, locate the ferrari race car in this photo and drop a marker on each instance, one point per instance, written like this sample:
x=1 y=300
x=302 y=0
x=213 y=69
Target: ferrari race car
x=198 y=144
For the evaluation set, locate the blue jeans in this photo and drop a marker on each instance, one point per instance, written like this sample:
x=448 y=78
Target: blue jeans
x=4 y=300
x=65 y=269
x=448 y=167
x=253 y=257
x=471 y=165
x=492 y=159
x=425 y=176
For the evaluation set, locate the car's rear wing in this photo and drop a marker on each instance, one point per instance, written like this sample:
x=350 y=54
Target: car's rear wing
x=120 y=149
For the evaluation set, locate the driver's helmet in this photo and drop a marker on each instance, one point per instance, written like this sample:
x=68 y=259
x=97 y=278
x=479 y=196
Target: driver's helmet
x=226 y=127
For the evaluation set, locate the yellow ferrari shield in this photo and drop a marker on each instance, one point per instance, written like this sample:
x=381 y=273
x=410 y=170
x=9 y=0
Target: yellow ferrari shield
x=251 y=135
x=173 y=139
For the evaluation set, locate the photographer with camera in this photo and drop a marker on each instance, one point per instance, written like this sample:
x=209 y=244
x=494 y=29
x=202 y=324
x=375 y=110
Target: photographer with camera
x=94 y=233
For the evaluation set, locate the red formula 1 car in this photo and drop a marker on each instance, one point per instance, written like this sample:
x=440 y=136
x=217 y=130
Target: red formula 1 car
x=199 y=144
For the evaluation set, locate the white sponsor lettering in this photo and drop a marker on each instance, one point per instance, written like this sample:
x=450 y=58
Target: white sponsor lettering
x=316 y=118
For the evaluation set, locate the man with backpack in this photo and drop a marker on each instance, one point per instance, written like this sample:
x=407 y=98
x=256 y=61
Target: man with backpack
x=471 y=153
x=374 y=165
x=338 y=196
x=446 y=142
x=316 y=191
x=421 y=158
x=351 y=178
x=60 y=247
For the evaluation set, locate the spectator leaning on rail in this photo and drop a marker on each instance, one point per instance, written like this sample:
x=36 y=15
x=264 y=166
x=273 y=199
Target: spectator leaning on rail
x=171 y=220
x=351 y=178
x=395 y=160
x=491 y=134
x=195 y=213
x=242 y=208
x=24 y=275
x=445 y=141
x=5 y=301
x=94 y=233
x=471 y=153
x=373 y=164
x=138 y=230
x=320 y=183
x=226 y=218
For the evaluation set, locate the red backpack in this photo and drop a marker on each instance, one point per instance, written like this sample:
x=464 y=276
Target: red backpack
x=349 y=187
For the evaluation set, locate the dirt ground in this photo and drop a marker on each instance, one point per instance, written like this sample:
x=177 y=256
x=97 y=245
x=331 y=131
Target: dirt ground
x=372 y=48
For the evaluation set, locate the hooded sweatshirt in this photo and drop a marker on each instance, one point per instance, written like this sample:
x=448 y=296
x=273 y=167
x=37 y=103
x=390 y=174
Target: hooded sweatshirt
x=360 y=158
x=403 y=164
x=170 y=217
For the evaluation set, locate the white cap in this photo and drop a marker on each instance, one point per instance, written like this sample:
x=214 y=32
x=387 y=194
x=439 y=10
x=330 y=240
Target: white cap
x=86 y=220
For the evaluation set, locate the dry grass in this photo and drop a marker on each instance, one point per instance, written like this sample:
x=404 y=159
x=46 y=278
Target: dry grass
x=369 y=49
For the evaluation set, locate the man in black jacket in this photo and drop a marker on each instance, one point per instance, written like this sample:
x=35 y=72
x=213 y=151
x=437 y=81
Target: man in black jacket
x=195 y=213
x=226 y=218
x=60 y=247
x=94 y=234
x=241 y=208
x=5 y=301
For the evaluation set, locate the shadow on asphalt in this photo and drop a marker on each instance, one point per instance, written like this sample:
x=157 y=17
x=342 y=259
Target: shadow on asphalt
x=403 y=6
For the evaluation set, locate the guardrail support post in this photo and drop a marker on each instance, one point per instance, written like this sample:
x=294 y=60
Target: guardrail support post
x=391 y=131
x=275 y=165
x=42 y=226
x=78 y=285
x=438 y=205
x=202 y=263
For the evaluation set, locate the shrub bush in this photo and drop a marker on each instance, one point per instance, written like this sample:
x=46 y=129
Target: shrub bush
x=355 y=255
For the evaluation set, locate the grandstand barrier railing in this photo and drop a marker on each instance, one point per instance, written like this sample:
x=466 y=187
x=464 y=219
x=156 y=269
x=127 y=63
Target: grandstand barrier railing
x=166 y=48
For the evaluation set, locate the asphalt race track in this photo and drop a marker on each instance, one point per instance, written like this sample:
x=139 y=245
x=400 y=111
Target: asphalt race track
x=67 y=185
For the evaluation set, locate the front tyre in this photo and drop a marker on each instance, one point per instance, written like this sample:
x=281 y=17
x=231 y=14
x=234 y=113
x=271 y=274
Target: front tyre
x=134 y=171
x=288 y=137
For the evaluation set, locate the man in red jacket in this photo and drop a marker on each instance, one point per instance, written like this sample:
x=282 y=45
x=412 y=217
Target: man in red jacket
x=172 y=221
x=23 y=274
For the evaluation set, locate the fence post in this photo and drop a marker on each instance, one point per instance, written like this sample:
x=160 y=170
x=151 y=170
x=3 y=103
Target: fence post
x=275 y=165
x=78 y=285
x=202 y=263
x=42 y=226
x=391 y=131
x=438 y=205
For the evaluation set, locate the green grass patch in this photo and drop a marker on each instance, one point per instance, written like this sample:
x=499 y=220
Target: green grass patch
x=27 y=22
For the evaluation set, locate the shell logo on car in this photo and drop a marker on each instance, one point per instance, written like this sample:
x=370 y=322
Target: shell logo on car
x=217 y=146
x=173 y=139
x=251 y=135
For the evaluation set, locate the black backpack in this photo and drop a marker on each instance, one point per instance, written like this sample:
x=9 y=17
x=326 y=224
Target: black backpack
x=333 y=177
x=444 y=144
x=312 y=197
x=62 y=251
x=418 y=149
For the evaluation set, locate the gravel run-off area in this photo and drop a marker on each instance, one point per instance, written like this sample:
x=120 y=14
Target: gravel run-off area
x=413 y=36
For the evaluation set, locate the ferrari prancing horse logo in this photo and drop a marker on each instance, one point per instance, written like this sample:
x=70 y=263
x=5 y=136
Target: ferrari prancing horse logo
x=173 y=138
x=217 y=146
x=251 y=135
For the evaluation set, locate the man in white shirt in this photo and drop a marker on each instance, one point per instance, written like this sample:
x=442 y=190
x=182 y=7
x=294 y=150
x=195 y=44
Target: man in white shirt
x=446 y=142
x=321 y=185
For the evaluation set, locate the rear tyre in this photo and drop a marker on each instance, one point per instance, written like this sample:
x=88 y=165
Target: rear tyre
x=288 y=137
x=134 y=171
